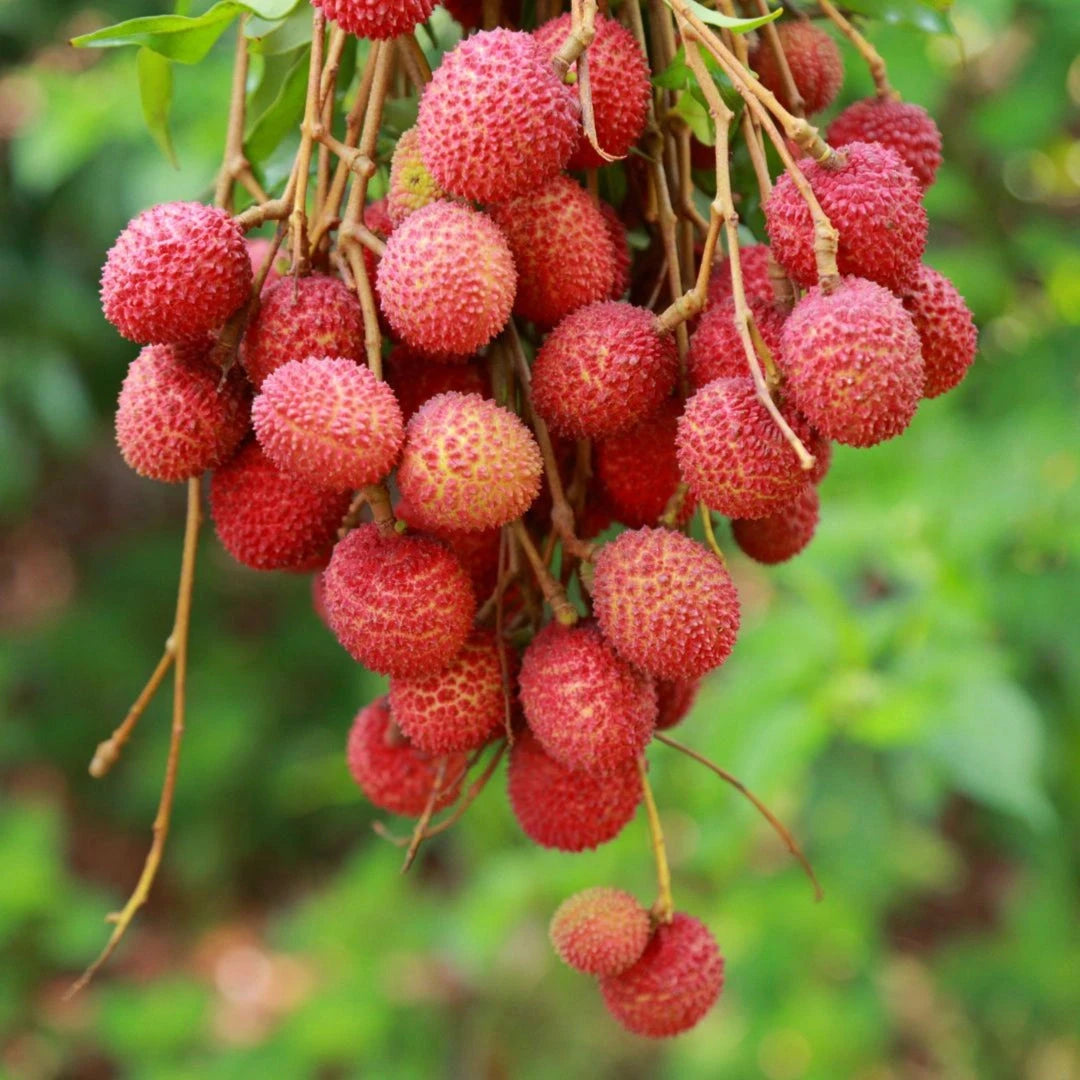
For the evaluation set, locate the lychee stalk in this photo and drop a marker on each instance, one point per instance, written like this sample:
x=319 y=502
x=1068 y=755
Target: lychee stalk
x=312 y=118
x=873 y=58
x=663 y=911
x=420 y=829
x=772 y=36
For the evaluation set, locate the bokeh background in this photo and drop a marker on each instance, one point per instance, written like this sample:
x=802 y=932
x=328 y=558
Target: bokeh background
x=906 y=694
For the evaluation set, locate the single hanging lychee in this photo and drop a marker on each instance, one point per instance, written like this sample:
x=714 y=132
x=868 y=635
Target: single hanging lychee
x=814 y=60
x=600 y=931
x=375 y=20
x=782 y=535
x=946 y=330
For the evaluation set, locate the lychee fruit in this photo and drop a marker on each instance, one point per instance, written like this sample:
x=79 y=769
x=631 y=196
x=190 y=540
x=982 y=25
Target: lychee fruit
x=821 y=450
x=875 y=204
x=411 y=185
x=415 y=379
x=621 y=249
x=374 y=19
x=673 y=985
x=446 y=281
x=390 y=771
x=302 y=317
x=618 y=82
x=754 y=265
x=561 y=247
x=588 y=707
x=267 y=519
x=900 y=125
x=176 y=417
x=175 y=274
x=259 y=248
x=561 y=808
x=782 y=535
x=495 y=121
x=602 y=370
x=400 y=605
x=946 y=330
x=814 y=59
x=716 y=349
x=600 y=931
x=674 y=700
x=468 y=464
x=665 y=603
x=852 y=363
x=732 y=454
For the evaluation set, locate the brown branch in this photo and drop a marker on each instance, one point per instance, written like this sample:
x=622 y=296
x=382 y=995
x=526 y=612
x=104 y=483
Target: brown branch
x=420 y=828
x=663 y=911
x=870 y=55
x=308 y=131
x=553 y=591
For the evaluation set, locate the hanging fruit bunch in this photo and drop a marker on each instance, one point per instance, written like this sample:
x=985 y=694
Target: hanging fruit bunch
x=495 y=432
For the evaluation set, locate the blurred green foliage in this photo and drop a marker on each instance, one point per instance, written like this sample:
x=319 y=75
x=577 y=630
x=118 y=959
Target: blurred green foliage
x=905 y=694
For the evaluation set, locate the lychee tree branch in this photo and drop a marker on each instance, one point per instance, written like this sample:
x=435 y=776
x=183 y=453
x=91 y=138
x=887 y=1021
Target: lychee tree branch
x=420 y=829
x=554 y=593
x=873 y=59
x=772 y=36
x=663 y=911
x=235 y=166
x=710 y=535
x=308 y=129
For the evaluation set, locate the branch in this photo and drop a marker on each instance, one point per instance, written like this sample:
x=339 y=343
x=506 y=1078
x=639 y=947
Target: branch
x=663 y=911
x=873 y=58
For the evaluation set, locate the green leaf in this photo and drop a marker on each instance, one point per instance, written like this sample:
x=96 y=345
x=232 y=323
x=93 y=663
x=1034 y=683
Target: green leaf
x=155 y=93
x=928 y=15
x=696 y=116
x=274 y=36
x=736 y=26
x=282 y=115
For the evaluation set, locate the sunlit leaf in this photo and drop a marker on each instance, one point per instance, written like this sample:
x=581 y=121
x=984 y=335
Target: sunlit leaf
x=155 y=94
x=726 y=22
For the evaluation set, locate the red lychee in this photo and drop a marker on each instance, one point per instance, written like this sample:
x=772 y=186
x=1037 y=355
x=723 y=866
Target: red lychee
x=600 y=931
x=559 y=808
x=176 y=418
x=852 y=363
x=400 y=605
x=674 y=699
x=621 y=249
x=817 y=68
x=411 y=185
x=782 y=535
x=268 y=520
x=175 y=274
x=258 y=249
x=716 y=350
x=754 y=265
x=821 y=449
x=375 y=19
x=946 y=330
x=665 y=603
x=876 y=206
x=415 y=379
x=674 y=984
x=603 y=369
x=495 y=121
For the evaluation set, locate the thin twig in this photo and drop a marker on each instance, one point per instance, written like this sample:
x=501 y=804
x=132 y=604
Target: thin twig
x=420 y=828
x=873 y=59
x=663 y=911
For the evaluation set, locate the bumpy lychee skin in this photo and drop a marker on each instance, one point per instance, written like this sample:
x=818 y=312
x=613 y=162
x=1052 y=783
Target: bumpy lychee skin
x=558 y=807
x=562 y=250
x=780 y=536
x=900 y=125
x=458 y=708
x=716 y=350
x=495 y=121
x=674 y=698
x=602 y=370
x=376 y=19
x=588 y=707
x=946 y=330
x=817 y=68
x=665 y=602
x=675 y=983
x=400 y=605
x=468 y=464
x=176 y=273
x=621 y=249
x=619 y=84
x=390 y=771
x=415 y=378
x=639 y=471
x=302 y=317
x=732 y=454
x=754 y=265
x=268 y=520
x=600 y=931
x=446 y=281
x=172 y=422
x=821 y=449
x=329 y=422
x=853 y=363
x=411 y=185
x=874 y=202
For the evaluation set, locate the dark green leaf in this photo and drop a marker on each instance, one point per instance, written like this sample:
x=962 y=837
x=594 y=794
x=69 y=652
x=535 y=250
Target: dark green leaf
x=155 y=93
x=282 y=115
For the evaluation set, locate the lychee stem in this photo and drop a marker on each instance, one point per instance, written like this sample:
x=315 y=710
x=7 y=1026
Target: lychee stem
x=710 y=535
x=791 y=89
x=670 y=517
x=327 y=87
x=420 y=829
x=553 y=592
x=874 y=60
x=416 y=64
x=235 y=166
x=581 y=36
x=312 y=119
x=663 y=910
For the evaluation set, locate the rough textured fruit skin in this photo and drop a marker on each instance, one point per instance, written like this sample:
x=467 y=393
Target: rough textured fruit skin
x=561 y=247
x=302 y=317
x=411 y=185
x=376 y=19
x=853 y=363
x=588 y=707
x=393 y=774
x=495 y=121
x=821 y=449
x=817 y=68
x=665 y=603
x=780 y=536
x=557 y=807
x=875 y=204
x=400 y=605
x=176 y=273
x=599 y=931
x=620 y=285
x=946 y=330
x=458 y=708
x=415 y=378
x=732 y=454
x=468 y=464
x=716 y=350
x=754 y=265
x=675 y=983
x=268 y=520
x=619 y=83
x=674 y=699
x=602 y=370
x=172 y=422
x=446 y=280
x=329 y=422
x=639 y=471
x=900 y=125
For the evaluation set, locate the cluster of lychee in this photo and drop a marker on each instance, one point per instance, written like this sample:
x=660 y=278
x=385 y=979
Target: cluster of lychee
x=488 y=233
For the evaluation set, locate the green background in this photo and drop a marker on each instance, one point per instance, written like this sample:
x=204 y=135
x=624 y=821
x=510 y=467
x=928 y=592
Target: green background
x=905 y=694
